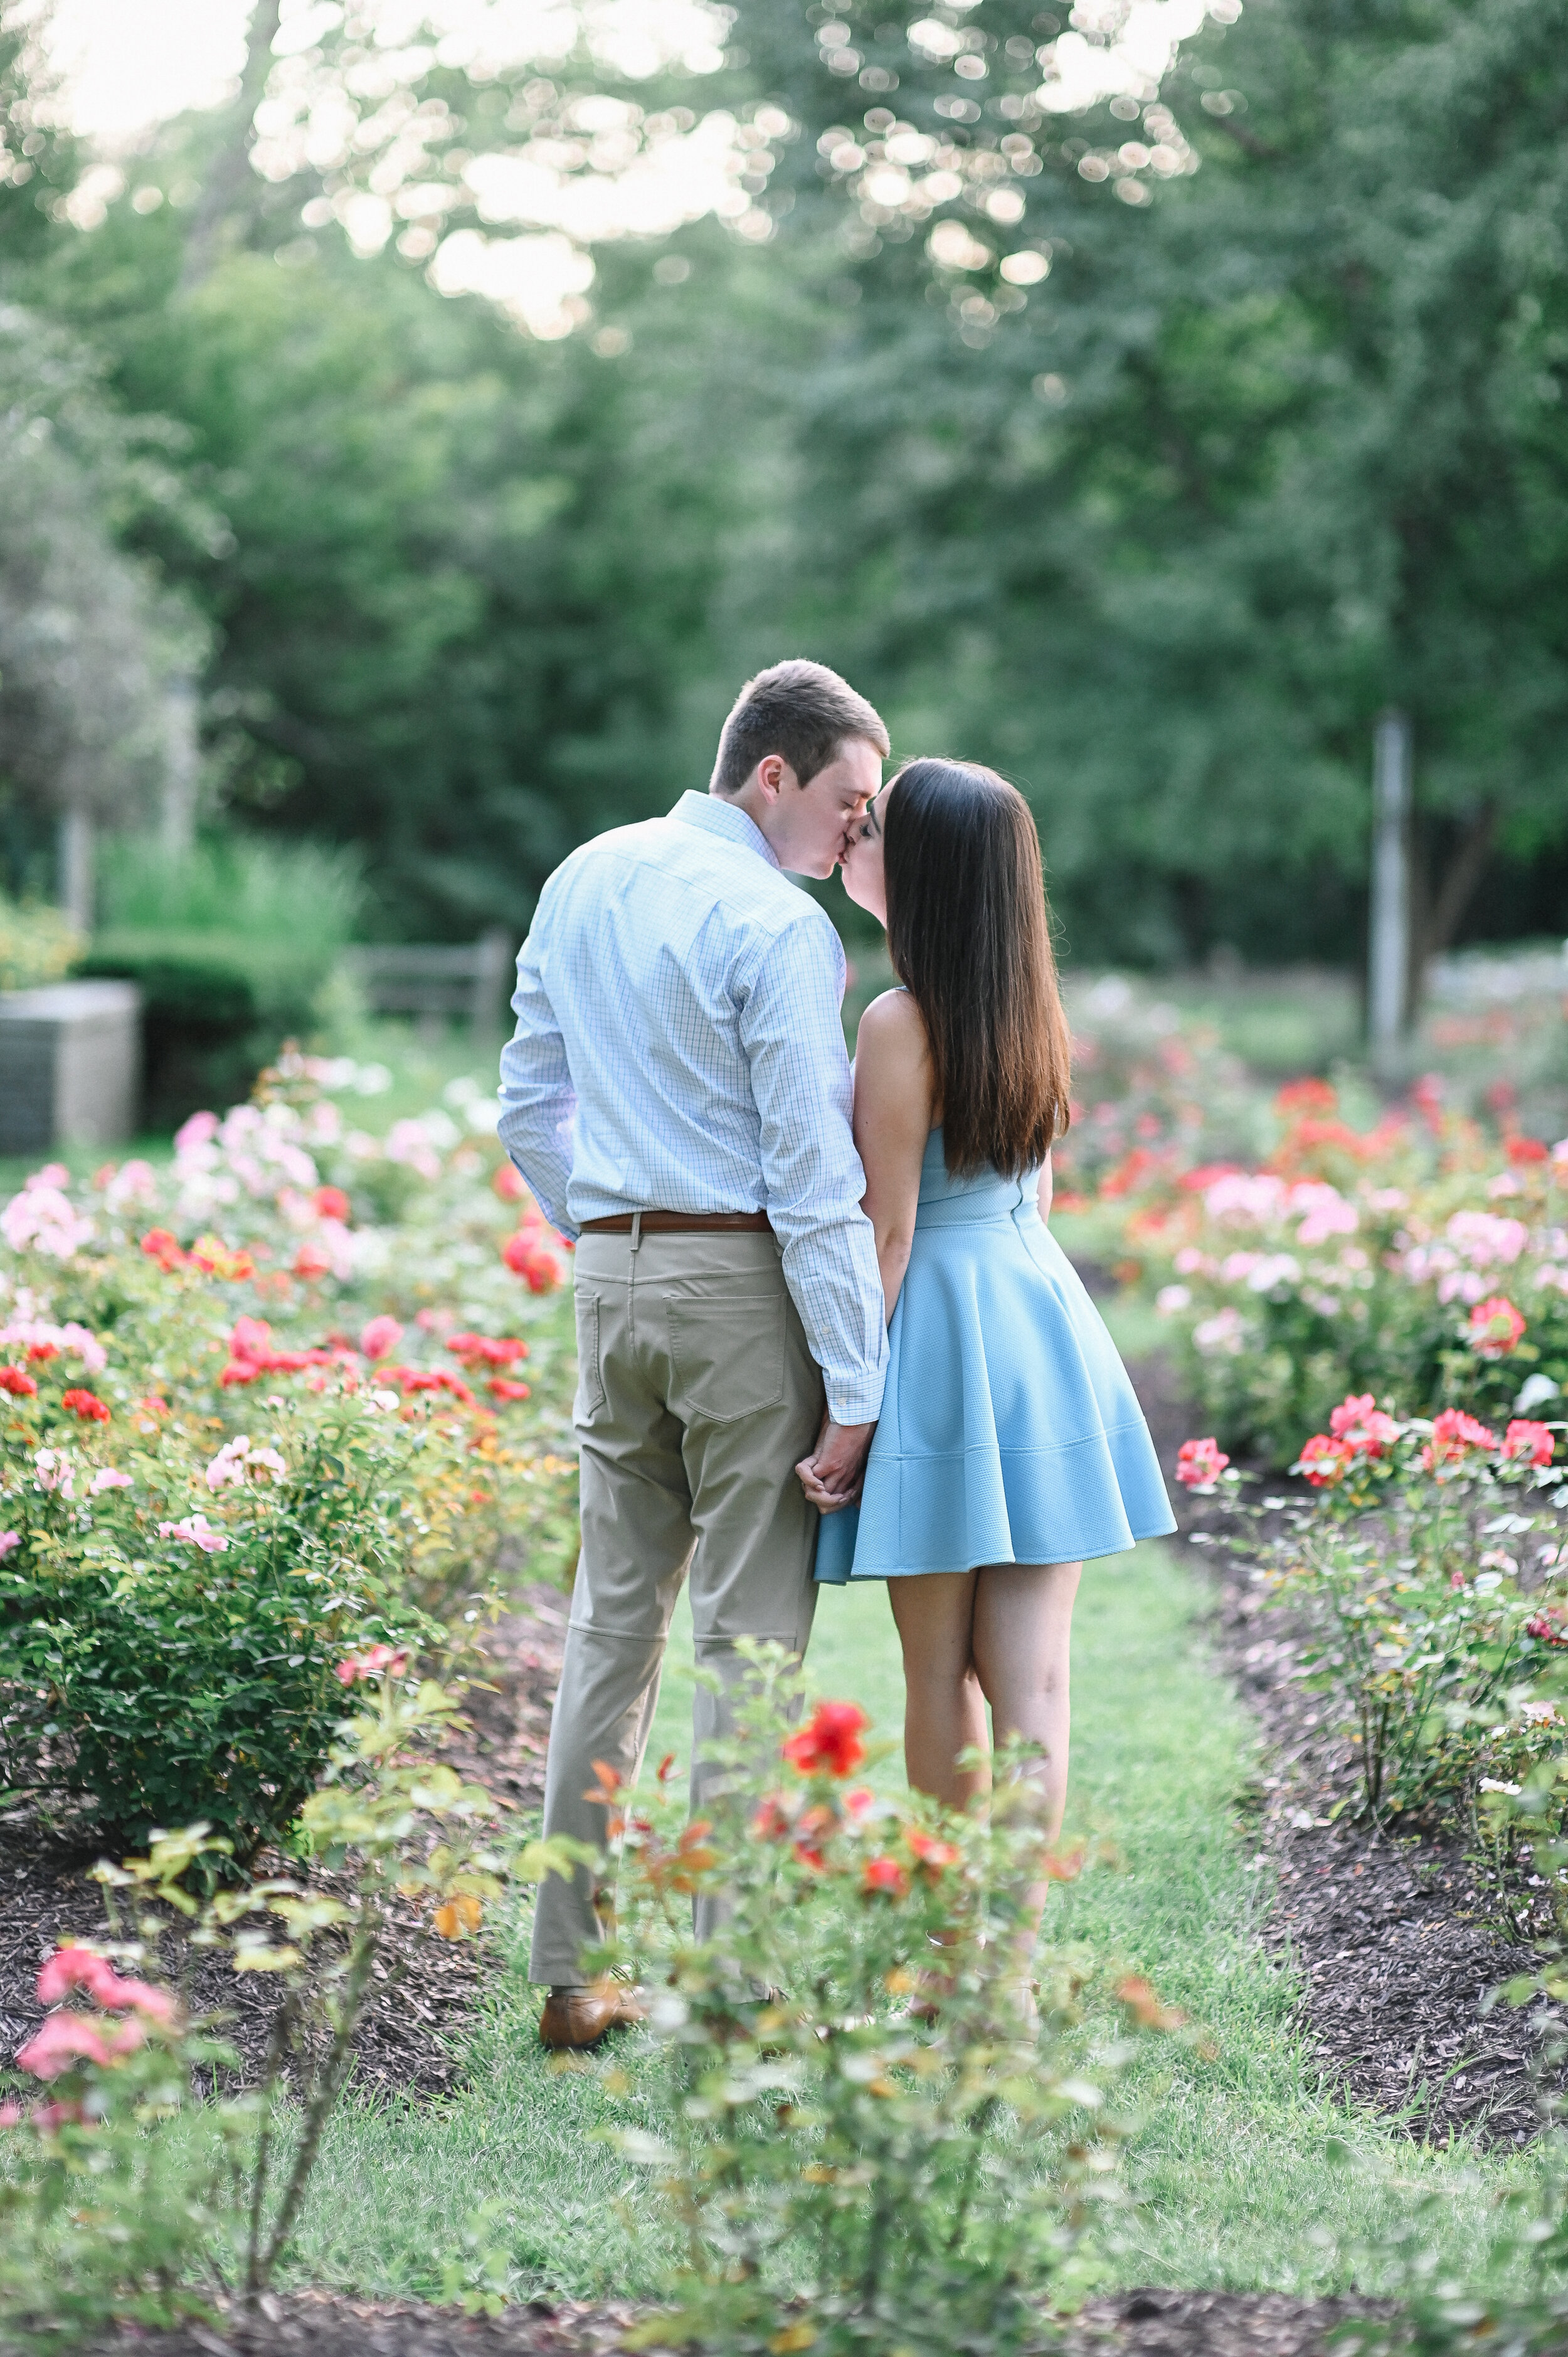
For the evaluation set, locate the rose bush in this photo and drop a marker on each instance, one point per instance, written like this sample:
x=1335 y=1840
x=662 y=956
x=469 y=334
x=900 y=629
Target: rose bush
x=872 y=2140
x=246 y=1429
x=1425 y=1258
x=1430 y=1561
x=1152 y=1095
x=125 y=2196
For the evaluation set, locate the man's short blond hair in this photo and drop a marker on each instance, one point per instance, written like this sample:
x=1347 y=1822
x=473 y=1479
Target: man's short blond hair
x=799 y=710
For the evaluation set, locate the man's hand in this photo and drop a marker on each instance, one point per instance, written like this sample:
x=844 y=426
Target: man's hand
x=831 y=1475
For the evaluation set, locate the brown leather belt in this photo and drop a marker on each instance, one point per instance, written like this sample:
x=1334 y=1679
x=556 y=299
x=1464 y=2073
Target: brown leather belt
x=681 y=1223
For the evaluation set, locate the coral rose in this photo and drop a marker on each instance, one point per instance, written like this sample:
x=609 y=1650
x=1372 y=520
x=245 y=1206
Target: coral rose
x=1453 y=1432
x=1532 y=1442
x=1324 y=1461
x=1199 y=1463
x=1496 y=1328
x=1362 y=1424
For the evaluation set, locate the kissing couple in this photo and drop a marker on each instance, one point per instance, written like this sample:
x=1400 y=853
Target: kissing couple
x=824 y=1330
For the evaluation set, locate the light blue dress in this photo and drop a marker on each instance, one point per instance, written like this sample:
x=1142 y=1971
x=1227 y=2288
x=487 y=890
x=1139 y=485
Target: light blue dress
x=1009 y=1430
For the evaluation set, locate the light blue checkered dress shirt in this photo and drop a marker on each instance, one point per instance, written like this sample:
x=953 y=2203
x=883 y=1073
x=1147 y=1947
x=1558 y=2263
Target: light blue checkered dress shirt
x=679 y=1048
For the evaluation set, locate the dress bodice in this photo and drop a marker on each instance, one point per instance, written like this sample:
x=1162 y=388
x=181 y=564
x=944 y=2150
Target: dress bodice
x=985 y=1194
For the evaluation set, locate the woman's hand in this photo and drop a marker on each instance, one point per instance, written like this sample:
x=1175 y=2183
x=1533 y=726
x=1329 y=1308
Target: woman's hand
x=831 y=1475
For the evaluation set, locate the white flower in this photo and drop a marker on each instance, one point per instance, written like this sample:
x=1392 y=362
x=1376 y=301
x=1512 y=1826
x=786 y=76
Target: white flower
x=1496 y=1784
x=1273 y=1269
x=1171 y=1297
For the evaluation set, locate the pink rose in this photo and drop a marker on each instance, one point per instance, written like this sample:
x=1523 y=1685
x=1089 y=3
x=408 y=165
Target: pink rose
x=199 y=1530
x=381 y=1336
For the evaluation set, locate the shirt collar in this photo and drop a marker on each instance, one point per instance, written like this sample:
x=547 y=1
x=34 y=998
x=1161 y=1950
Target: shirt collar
x=716 y=816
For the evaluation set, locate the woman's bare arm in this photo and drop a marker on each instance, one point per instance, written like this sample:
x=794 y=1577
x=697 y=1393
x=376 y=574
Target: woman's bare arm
x=892 y=1116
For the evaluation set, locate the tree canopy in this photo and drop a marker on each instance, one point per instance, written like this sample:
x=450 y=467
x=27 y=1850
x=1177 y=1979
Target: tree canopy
x=1141 y=401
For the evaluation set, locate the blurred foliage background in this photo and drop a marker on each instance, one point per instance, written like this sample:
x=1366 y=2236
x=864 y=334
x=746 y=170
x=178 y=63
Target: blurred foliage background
x=1140 y=397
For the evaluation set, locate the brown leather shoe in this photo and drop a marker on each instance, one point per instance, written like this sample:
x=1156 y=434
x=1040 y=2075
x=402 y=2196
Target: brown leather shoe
x=577 y=2017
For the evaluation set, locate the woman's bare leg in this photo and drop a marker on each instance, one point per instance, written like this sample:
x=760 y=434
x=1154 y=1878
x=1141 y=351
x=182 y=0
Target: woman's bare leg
x=1021 y=1639
x=944 y=1709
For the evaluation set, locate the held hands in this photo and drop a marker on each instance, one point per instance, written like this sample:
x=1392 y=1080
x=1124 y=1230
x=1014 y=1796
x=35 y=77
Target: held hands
x=830 y=1477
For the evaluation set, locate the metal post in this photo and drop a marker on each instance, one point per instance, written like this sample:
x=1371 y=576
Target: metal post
x=495 y=955
x=182 y=763
x=76 y=867
x=1387 y=994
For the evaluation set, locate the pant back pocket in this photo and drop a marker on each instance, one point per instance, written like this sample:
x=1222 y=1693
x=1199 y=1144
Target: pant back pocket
x=727 y=1354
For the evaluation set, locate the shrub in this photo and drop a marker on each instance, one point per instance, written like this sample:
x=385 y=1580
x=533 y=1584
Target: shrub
x=230 y=947
x=181 y=2200
x=170 y=1658
x=872 y=2140
x=1152 y=1096
x=227 y=1458
x=1422 y=1259
x=237 y=886
x=36 y=945
x=1430 y=1560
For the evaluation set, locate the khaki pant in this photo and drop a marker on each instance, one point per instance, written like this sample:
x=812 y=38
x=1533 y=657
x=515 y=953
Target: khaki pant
x=697 y=1397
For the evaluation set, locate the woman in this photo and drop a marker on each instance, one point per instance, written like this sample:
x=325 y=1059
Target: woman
x=1011 y=1446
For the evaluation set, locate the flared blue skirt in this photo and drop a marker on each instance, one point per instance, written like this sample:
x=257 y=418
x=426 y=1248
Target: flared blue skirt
x=1010 y=1432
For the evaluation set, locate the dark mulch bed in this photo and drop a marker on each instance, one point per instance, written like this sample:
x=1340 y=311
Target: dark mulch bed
x=1396 y=1943
x=410 y=2033
x=1133 y=2324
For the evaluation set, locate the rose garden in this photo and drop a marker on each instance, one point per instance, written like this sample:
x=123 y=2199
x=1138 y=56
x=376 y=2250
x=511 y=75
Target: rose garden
x=418 y=417
x=287 y=1531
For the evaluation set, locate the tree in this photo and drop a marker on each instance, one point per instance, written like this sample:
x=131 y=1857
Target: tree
x=1304 y=451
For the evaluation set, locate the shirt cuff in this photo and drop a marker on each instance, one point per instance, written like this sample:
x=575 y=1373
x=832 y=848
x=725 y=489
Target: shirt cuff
x=855 y=1403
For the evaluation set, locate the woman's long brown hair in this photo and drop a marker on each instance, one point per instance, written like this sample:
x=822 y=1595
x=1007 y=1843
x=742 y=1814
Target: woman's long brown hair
x=970 y=938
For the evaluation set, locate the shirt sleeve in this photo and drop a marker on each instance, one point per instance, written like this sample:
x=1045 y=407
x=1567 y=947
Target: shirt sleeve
x=791 y=1030
x=539 y=1105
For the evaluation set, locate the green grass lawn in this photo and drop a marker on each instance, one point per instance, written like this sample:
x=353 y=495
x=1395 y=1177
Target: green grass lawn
x=1249 y=2174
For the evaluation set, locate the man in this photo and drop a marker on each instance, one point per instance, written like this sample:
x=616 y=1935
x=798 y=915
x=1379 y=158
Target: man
x=678 y=1098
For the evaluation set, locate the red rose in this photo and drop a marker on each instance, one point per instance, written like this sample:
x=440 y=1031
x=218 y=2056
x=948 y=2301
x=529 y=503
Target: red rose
x=830 y=1743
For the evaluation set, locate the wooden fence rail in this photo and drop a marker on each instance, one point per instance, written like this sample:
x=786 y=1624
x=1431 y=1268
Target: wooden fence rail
x=434 y=983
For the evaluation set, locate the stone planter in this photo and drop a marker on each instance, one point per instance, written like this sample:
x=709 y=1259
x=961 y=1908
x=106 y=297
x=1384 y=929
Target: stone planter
x=71 y=1060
